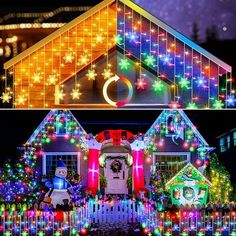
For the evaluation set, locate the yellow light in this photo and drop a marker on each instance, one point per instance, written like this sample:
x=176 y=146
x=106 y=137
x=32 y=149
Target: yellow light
x=91 y=74
x=99 y=38
x=52 y=79
x=76 y=94
x=6 y=97
x=107 y=74
x=21 y=99
x=37 y=77
x=60 y=94
x=69 y=57
x=83 y=60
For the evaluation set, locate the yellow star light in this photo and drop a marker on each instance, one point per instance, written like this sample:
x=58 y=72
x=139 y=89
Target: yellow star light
x=37 y=77
x=60 y=94
x=83 y=60
x=76 y=94
x=6 y=97
x=69 y=57
x=107 y=74
x=52 y=79
x=91 y=74
x=99 y=38
x=21 y=99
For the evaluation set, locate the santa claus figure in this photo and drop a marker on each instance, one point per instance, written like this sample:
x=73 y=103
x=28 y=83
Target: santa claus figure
x=59 y=187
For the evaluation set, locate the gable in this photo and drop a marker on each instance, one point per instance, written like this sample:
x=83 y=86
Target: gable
x=174 y=125
x=195 y=176
x=58 y=126
x=171 y=65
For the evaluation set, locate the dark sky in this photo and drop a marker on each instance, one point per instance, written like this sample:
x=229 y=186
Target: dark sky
x=180 y=14
x=17 y=126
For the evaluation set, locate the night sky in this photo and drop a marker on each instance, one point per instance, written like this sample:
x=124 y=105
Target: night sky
x=179 y=14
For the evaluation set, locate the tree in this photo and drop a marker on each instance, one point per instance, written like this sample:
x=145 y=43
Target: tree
x=195 y=32
x=212 y=34
x=221 y=189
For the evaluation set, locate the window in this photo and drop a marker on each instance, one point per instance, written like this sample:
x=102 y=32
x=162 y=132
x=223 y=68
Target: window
x=234 y=137
x=69 y=160
x=171 y=164
x=228 y=141
x=61 y=128
x=222 y=145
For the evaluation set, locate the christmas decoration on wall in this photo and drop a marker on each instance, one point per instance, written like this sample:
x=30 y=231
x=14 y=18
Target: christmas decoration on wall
x=116 y=166
x=221 y=189
x=188 y=187
x=187 y=74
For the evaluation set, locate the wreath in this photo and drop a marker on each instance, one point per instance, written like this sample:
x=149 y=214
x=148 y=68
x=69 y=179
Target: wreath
x=116 y=166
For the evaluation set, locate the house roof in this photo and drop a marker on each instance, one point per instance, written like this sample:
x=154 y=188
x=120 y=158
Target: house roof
x=136 y=8
x=184 y=116
x=45 y=121
x=181 y=171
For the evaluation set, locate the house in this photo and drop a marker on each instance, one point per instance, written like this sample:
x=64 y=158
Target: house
x=119 y=156
x=117 y=55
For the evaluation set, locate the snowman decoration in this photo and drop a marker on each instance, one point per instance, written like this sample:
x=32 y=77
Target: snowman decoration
x=59 y=187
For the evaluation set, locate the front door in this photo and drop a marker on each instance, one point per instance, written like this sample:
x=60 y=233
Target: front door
x=116 y=173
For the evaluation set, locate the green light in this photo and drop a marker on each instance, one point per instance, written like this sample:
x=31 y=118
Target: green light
x=218 y=104
x=40 y=233
x=158 y=86
x=192 y=105
x=156 y=231
x=48 y=140
x=191 y=149
x=24 y=233
x=184 y=83
x=150 y=60
x=57 y=233
x=72 y=141
x=124 y=64
x=143 y=225
x=118 y=39
x=7 y=233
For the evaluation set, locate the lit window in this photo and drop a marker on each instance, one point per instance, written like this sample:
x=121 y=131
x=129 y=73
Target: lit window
x=234 y=135
x=228 y=141
x=222 y=145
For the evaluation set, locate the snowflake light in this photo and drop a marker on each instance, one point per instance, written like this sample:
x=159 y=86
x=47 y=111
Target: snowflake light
x=37 y=77
x=69 y=57
x=52 y=79
x=6 y=97
x=91 y=74
x=60 y=94
x=107 y=74
x=141 y=84
x=83 y=59
x=75 y=94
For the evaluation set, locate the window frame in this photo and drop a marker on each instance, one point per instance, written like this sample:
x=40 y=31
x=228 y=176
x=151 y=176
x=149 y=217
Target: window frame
x=45 y=154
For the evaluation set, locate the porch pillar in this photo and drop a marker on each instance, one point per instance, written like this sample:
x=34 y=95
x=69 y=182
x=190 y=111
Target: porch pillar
x=138 y=165
x=93 y=165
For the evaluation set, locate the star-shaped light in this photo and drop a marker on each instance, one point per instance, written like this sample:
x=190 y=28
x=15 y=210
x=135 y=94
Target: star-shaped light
x=6 y=97
x=60 y=94
x=7 y=233
x=218 y=104
x=91 y=74
x=76 y=94
x=167 y=234
x=69 y=57
x=57 y=233
x=150 y=60
x=107 y=74
x=40 y=233
x=158 y=86
x=52 y=79
x=200 y=234
x=192 y=105
x=201 y=82
x=231 y=100
x=217 y=234
x=141 y=84
x=21 y=99
x=184 y=83
x=24 y=233
x=83 y=59
x=37 y=77
x=233 y=234
x=99 y=38
x=184 y=234
x=118 y=39
x=124 y=64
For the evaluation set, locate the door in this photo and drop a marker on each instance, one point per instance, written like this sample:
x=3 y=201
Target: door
x=116 y=173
